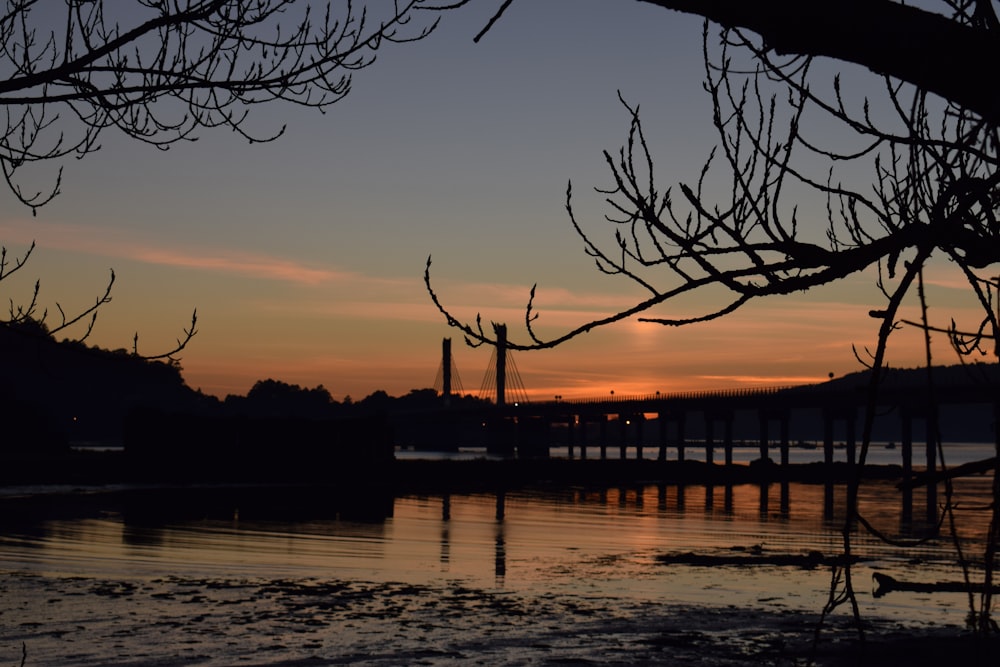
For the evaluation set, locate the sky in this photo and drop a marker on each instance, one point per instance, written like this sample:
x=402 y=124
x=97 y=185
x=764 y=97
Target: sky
x=304 y=257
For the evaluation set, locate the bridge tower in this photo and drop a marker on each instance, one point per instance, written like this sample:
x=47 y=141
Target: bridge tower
x=502 y=382
x=448 y=379
x=446 y=370
x=501 y=331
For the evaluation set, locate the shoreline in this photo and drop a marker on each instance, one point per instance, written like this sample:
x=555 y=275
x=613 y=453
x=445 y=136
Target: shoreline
x=407 y=475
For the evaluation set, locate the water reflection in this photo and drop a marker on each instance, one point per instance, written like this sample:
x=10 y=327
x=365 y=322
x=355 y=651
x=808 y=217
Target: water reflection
x=500 y=560
x=509 y=537
x=445 y=531
x=500 y=547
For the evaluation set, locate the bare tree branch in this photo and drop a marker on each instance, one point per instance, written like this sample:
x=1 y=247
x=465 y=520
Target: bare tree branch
x=161 y=71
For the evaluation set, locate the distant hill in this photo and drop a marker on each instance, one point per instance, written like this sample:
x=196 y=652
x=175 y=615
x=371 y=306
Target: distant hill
x=957 y=423
x=942 y=377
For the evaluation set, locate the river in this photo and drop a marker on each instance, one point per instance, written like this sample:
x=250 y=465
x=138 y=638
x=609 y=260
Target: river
x=540 y=575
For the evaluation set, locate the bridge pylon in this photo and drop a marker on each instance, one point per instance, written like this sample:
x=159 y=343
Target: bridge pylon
x=501 y=332
x=447 y=378
x=502 y=382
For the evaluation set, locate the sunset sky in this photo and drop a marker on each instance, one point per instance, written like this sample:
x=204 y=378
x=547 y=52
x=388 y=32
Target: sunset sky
x=304 y=257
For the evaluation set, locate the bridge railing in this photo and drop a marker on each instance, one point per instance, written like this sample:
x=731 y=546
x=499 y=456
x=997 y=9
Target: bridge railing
x=739 y=392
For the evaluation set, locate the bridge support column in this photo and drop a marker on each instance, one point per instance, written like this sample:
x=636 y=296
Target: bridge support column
x=785 y=418
x=782 y=417
x=623 y=423
x=906 y=431
x=583 y=437
x=850 y=422
x=661 y=418
x=727 y=436
x=604 y=437
x=827 y=437
x=709 y=424
x=640 y=420
x=681 y=417
x=764 y=440
x=570 y=435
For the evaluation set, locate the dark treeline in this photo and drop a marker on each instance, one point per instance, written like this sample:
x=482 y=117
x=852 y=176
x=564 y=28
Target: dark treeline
x=61 y=392
x=274 y=398
x=58 y=392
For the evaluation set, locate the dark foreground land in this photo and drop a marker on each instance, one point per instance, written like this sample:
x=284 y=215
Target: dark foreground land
x=293 y=622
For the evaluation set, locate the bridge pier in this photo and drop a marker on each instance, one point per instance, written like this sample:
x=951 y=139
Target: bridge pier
x=763 y=437
x=712 y=416
x=827 y=437
x=906 y=444
x=661 y=419
x=727 y=437
x=681 y=418
x=623 y=423
x=640 y=421
x=672 y=415
x=849 y=417
x=765 y=417
x=570 y=435
x=782 y=417
x=784 y=438
x=709 y=422
x=604 y=437
x=850 y=420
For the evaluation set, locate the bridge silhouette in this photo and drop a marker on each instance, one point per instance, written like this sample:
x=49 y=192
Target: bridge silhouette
x=715 y=420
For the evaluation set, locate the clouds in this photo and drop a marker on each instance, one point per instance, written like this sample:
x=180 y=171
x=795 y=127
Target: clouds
x=119 y=244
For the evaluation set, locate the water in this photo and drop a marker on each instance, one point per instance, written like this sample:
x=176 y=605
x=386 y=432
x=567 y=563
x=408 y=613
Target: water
x=880 y=453
x=532 y=576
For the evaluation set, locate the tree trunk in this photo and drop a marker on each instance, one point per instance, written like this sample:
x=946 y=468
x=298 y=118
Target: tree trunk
x=955 y=61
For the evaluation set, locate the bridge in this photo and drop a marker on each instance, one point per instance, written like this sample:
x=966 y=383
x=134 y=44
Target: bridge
x=656 y=425
x=779 y=417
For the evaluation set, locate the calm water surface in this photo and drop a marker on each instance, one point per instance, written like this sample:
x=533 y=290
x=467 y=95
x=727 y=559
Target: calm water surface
x=144 y=568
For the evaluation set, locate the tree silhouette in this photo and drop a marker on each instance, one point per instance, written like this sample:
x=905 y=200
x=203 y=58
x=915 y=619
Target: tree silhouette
x=161 y=71
x=929 y=142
